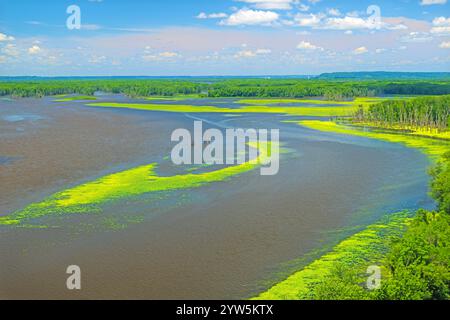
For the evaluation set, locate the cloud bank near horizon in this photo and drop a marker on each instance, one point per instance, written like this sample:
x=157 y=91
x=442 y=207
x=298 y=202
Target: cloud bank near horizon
x=250 y=37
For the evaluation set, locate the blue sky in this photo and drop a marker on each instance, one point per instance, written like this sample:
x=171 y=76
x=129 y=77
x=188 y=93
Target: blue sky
x=223 y=37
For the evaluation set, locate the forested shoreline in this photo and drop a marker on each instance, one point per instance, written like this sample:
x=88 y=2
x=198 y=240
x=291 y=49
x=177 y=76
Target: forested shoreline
x=417 y=264
x=424 y=113
x=414 y=258
x=258 y=88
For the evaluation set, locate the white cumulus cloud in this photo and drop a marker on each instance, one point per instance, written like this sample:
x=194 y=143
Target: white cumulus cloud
x=168 y=54
x=10 y=50
x=263 y=51
x=34 y=49
x=270 y=4
x=334 y=12
x=251 y=17
x=441 y=21
x=348 y=23
x=245 y=54
x=4 y=37
x=441 y=26
x=219 y=15
x=310 y=20
x=430 y=2
x=360 y=50
x=335 y=22
x=303 y=7
x=305 y=45
x=159 y=56
x=252 y=53
x=417 y=37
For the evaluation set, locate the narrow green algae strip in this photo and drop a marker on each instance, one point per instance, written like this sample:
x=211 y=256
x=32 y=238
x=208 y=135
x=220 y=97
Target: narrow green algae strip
x=173 y=98
x=362 y=249
x=88 y=197
x=77 y=98
x=356 y=102
x=339 y=111
x=409 y=130
x=291 y=101
x=434 y=148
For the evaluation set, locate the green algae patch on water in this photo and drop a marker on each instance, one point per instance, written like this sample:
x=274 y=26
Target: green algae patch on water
x=173 y=98
x=162 y=107
x=76 y=98
x=291 y=101
x=88 y=197
x=339 y=111
x=359 y=251
x=410 y=130
x=434 y=148
x=355 y=102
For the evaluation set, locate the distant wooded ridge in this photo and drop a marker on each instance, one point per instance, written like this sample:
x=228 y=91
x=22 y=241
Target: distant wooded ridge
x=361 y=75
x=385 y=75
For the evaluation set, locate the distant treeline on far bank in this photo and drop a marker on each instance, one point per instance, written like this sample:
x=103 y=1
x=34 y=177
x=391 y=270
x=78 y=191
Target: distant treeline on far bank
x=335 y=86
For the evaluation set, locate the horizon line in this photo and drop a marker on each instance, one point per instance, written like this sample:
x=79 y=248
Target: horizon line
x=221 y=76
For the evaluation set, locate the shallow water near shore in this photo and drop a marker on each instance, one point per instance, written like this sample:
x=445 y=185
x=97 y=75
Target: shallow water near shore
x=224 y=240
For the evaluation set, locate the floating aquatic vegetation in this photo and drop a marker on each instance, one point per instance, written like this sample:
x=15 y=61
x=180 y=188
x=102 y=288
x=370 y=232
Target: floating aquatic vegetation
x=366 y=247
x=76 y=98
x=292 y=101
x=90 y=196
x=362 y=249
x=432 y=147
x=355 y=102
x=409 y=130
x=339 y=111
x=173 y=98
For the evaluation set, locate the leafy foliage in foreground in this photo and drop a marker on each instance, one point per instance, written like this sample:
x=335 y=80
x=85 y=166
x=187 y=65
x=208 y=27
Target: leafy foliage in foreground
x=440 y=186
x=417 y=266
x=415 y=263
x=419 y=263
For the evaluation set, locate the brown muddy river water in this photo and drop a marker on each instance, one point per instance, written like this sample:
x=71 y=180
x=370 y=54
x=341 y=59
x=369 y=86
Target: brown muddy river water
x=224 y=240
